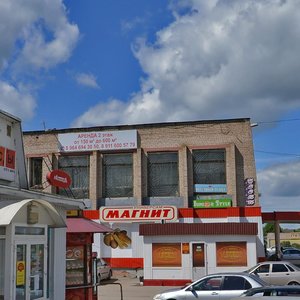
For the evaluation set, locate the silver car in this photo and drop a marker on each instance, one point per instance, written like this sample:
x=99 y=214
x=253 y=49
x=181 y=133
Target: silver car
x=292 y=255
x=277 y=272
x=273 y=290
x=103 y=270
x=214 y=286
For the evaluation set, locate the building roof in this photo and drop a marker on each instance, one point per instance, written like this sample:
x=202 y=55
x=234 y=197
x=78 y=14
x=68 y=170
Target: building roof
x=134 y=126
x=199 y=229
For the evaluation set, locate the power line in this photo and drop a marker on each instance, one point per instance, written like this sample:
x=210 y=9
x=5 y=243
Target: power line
x=278 y=121
x=278 y=153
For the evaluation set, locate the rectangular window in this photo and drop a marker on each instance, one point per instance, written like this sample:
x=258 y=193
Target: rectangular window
x=166 y=255
x=163 y=174
x=230 y=254
x=78 y=168
x=36 y=172
x=209 y=166
x=118 y=175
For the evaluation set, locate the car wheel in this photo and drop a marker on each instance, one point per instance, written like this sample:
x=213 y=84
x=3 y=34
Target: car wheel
x=109 y=274
x=293 y=283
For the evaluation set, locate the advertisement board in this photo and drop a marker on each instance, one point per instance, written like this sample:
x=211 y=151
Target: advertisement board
x=166 y=255
x=231 y=254
x=147 y=213
x=97 y=140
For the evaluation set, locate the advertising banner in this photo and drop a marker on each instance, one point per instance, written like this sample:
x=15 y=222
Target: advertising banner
x=210 y=188
x=97 y=140
x=166 y=255
x=7 y=164
x=231 y=254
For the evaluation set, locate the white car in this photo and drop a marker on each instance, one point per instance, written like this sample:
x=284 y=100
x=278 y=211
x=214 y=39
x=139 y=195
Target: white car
x=103 y=270
x=277 y=272
x=214 y=286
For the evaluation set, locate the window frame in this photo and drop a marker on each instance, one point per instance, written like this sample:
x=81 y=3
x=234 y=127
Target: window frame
x=108 y=169
x=76 y=192
x=159 y=188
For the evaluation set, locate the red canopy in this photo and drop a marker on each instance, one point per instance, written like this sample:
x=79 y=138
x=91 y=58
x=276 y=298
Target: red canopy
x=85 y=225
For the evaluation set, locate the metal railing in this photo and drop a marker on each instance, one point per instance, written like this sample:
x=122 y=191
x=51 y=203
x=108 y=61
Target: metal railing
x=95 y=286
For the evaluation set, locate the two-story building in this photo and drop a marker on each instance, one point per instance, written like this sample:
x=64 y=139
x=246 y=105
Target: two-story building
x=179 y=196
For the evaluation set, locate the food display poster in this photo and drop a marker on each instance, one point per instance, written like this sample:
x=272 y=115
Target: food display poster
x=166 y=255
x=20 y=278
x=231 y=254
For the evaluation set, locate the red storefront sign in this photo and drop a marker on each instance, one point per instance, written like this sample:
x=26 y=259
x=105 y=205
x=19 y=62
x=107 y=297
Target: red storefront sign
x=138 y=213
x=59 y=179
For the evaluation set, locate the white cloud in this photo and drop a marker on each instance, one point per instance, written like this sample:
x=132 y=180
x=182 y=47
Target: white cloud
x=88 y=80
x=222 y=59
x=17 y=101
x=279 y=186
x=34 y=35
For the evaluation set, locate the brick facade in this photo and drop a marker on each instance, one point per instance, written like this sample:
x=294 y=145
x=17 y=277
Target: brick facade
x=234 y=135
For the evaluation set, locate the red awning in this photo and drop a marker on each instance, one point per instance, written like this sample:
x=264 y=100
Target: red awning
x=85 y=225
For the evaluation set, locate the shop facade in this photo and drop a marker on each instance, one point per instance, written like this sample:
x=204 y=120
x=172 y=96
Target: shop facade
x=32 y=226
x=204 y=167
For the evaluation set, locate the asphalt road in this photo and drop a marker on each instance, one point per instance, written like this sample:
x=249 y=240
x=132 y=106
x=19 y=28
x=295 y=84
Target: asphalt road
x=129 y=287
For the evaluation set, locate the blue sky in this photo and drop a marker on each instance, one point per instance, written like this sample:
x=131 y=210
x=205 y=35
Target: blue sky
x=76 y=63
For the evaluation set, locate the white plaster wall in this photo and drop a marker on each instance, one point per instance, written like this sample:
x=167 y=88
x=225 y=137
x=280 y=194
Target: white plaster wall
x=185 y=272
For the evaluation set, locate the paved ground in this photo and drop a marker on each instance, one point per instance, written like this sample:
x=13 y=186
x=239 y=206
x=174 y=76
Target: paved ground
x=130 y=286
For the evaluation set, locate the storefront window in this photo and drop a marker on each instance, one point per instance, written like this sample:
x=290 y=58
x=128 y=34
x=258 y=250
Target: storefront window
x=166 y=255
x=78 y=168
x=209 y=166
x=118 y=175
x=163 y=174
x=230 y=254
x=35 y=177
x=2 y=266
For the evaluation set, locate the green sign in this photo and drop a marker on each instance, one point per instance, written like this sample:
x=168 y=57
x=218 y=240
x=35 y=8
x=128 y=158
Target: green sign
x=212 y=203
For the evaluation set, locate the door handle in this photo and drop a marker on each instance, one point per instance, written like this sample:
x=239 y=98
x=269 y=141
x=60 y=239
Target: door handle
x=214 y=293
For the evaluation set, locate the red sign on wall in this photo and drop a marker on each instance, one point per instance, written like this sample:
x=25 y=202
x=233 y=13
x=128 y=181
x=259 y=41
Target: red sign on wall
x=59 y=179
x=7 y=163
x=2 y=156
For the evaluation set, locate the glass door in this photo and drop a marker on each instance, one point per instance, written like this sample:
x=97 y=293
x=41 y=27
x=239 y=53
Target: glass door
x=30 y=271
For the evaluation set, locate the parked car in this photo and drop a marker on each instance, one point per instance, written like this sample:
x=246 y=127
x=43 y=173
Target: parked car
x=214 y=286
x=273 y=290
x=103 y=269
x=292 y=255
x=277 y=272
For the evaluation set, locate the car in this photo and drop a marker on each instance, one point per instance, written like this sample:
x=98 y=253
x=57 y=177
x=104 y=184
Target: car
x=214 y=286
x=292 y=255
x=273 y=290
x=103 y=269
x=277 y=272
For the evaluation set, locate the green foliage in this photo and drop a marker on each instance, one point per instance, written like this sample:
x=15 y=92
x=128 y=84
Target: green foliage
x=270 y=227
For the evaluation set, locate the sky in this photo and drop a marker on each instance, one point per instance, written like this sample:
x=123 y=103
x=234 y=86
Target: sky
x=82 y=63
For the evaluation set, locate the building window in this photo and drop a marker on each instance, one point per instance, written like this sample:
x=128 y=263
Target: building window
x=78 y=168
x=163 y=174
x=209 y=166
x=118 y=175
x=36 y=172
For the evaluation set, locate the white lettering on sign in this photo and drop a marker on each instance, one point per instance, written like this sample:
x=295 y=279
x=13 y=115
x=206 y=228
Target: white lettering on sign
x=61 y=179
x=98 y=140
x=137 y=213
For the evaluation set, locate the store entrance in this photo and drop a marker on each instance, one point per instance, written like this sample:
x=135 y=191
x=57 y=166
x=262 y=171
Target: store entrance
x=198 y=260
x=30 y=269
